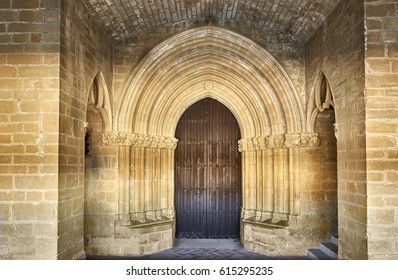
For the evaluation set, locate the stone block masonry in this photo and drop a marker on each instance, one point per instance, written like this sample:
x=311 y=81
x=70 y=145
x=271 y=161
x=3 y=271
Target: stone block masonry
x=381 y=94
x=41 y=124
x=337 y=50
x=89 y=105
x=29 y=96
x=85 y=50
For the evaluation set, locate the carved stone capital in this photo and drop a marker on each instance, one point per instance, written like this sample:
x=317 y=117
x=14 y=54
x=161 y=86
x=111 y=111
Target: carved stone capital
x=293 y=141
x=296 y=140
x=309 y=140
x=253 y=144
x=138 y=140
x=277 y=141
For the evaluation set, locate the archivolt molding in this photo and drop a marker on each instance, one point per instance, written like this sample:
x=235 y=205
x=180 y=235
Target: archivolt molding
x=210 y=62
x=300 y=140
x=138 y=140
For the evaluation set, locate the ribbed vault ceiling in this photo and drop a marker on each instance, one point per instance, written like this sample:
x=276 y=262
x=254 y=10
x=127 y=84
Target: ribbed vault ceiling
x=125 y=18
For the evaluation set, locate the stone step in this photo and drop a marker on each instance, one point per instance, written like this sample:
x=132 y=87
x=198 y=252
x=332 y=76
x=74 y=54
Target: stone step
x=329 y=248
x=317 y=254
x=326 y=250
x=335 y=239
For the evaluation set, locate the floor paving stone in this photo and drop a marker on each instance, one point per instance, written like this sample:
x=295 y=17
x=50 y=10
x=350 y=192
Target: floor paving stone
x=202 y=249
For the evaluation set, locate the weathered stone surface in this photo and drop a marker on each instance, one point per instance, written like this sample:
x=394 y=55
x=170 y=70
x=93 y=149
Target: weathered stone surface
x=89 y=104
x=299 y=19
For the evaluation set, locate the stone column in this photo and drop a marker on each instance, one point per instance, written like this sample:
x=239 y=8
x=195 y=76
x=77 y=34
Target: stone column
x=146 y=167
x=271 y=176
x=124 y=186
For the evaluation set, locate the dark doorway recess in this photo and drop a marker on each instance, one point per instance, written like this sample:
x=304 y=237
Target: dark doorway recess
x=208 y=190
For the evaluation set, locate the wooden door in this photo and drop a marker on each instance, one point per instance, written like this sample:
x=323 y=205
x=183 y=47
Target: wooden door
x=207 y=172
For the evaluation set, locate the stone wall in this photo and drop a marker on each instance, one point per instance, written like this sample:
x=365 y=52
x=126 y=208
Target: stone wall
x=61 y=75
x=126 y=194
x=309 y=210
x=337 y=49
x=29 y=106
x=50 y=53
x=100 y=187
x=85 y=50
x=381 y=61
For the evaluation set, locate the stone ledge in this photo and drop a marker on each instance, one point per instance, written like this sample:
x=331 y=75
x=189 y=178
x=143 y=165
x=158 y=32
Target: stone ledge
x=147 y=224
x=269 y=224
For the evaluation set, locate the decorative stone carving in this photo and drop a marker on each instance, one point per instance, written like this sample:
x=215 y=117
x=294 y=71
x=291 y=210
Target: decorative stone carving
x=323 y=96
x=277 y=141
x=293 y=141
x=270 y=219
x=299 y=140
x=309 y=140
x=321 y=99
x=209 y=86
x=138 y=140
x=253 y=144
x=99 y=101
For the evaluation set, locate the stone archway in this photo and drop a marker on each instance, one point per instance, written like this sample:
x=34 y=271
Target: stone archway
x=216 y=63
x=210 y=62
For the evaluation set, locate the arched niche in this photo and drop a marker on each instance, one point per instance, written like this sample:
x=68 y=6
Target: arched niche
x=321 y=119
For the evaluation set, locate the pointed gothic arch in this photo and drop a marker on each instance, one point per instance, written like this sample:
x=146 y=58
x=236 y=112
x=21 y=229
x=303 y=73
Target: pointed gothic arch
x=99 y=100
x=209 y=62
x=321 y=98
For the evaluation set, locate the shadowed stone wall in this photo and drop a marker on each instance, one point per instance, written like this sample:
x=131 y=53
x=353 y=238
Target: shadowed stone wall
x=381 y=93
x=337 y=49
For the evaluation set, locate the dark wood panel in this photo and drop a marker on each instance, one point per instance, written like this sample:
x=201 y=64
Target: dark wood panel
x=208 y=172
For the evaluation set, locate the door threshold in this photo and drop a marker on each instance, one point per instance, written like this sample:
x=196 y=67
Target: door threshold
x=231 y=244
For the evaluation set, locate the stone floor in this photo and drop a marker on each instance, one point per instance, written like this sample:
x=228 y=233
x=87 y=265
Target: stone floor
x=202 y=249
